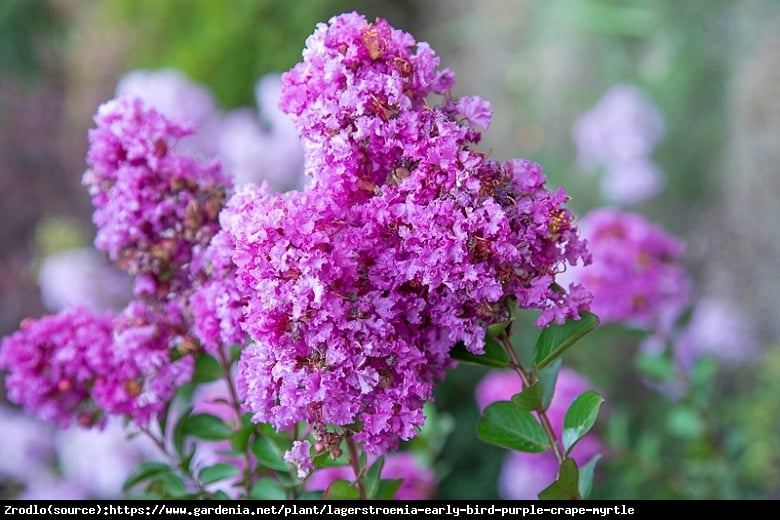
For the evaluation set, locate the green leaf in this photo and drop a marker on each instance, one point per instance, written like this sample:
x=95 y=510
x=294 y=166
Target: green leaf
x=555 y=339
x=180 y=431
x=325 y=460
x=267 y=489
x=373 y=476
x=219 y=471
x=208 y=427
x=580 y=418
x=235 y=353
x=684 y=422
x=206 y=369
x=143 y=472
x=171 y=484
x=656 y=366
x=239 y=439
x=508 y=311
x=547 y=379
x=388 y=488
x=586 y=476
x=494 y=356
x=529 y=399
x=268 y=454
x=566 y=486
x=504 y=424
x=341 y=490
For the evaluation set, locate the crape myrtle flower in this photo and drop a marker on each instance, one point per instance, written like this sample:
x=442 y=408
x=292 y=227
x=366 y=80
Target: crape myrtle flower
x=216 y=305
x=637 y=276
x=406 y=242
x=176 y=97
x=253 y=145
x=149 y=360
x=154 y=207
x=77 y=367
x=618 y=137
x=52 y=363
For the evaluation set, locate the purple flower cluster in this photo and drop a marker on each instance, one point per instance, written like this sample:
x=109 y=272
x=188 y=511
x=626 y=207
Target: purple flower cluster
x=636 y=276
x=157 y=212
x=77 y=366
x=154 y=208
x=524 y=475
x=53 y=363
x=618 y=136
x=407 y=241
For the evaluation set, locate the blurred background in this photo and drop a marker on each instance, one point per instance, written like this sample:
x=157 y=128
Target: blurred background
x=705 y=81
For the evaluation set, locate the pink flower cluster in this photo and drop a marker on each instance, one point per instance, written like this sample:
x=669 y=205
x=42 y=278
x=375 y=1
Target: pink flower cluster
x=524 y=475
x=636 y=276
x=154 y=208
x=407 y=241
x=156 y=211
x=77 y=366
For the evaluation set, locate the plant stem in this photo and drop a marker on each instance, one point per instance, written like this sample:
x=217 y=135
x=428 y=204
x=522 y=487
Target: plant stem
x=528 y=381
x=235 y=403
x=354 y=460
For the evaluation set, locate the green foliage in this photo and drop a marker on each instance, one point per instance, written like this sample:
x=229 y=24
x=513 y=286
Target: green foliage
x=566 y=486
x=225 y=45
x=26 y=27
x=556 y=339
x=506 y=425
x=494 y=356
x=580 y=418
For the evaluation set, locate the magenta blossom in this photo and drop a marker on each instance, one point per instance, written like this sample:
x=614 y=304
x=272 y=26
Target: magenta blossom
x=155 y=208
x=52 y=363
x=407 y=242
x=637 y=276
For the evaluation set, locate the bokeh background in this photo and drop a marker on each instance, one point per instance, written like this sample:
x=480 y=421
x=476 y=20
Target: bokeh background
x=712 y=69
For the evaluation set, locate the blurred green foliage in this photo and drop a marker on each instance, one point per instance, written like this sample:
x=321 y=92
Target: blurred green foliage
x=229 y=45
x=25 y=27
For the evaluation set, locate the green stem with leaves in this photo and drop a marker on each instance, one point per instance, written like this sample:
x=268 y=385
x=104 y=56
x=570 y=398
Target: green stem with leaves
x=527 y=380
x=236 y=405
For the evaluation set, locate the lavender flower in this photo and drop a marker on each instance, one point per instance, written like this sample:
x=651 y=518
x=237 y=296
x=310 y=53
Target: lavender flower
x=264 y=146
x=717 y=328
x=618 y=136
x=299 y=456
x=26 y=452
x=119 y=454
